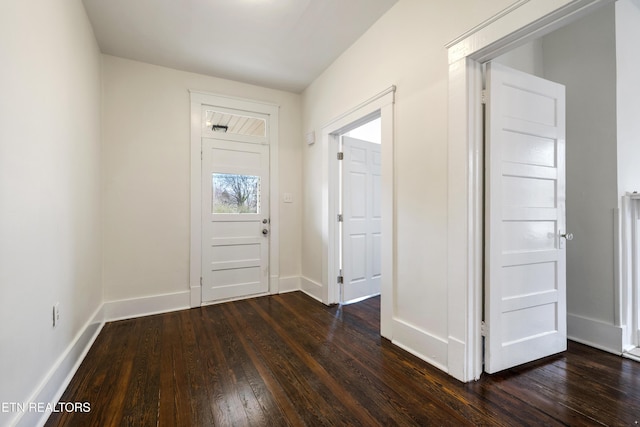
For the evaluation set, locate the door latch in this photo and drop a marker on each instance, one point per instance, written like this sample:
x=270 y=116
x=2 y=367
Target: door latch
x=564 y=237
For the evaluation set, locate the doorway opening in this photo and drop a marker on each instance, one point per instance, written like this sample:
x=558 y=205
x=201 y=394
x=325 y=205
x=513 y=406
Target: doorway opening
x=234 y=199
x=486 y=42
x=576 y=55
x=360 y=212
x=380 y=107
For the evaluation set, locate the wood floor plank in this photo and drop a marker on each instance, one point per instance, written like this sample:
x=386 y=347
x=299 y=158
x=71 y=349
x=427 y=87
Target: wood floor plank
x=315 y=401
x=199 y=395
x=174 y=407
x=240 y=386
x=229 y=408
x=543 y=407
x=287 y=360
x=141 y=398
x=361 y=339
x=387 y=397
x=300 y=342
x=272 y=395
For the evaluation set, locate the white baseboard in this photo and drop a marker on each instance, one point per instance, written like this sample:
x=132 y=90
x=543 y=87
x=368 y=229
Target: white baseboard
x=422 y=344
x=145 y=306
x=311 y=288
x=274 y=285
x=289 y=284
x=59 y=376
x=456 y=352
x=633 y=354
x=595 y=333
x=196 y=296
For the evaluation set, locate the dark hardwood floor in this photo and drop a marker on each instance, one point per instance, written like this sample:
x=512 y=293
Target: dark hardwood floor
x=289 y=360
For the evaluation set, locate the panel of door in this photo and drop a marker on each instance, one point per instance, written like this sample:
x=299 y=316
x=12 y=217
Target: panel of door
x=361 y=227
x=525 y=274
x=235 y=219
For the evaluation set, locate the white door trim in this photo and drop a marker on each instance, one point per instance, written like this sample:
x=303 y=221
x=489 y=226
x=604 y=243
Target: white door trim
x=380 y=105
x=525 y=20
x=198 y=99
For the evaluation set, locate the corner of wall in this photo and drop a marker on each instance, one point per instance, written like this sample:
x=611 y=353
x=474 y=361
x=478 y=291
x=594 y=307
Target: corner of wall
x=289 y=284
x=54 y=384
x=311 y=288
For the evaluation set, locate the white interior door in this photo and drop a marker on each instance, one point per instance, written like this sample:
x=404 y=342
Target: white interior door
x=235 y=219
x=525 y=282
x=362 y=214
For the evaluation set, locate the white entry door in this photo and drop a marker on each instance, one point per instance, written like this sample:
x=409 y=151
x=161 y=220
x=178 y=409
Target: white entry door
x=362 y=214
x=525 y=274
x=235 y=219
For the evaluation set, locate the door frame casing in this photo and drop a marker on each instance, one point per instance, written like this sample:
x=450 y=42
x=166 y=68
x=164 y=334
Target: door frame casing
x=198 y=100
x=380 y=105
x=522 y=22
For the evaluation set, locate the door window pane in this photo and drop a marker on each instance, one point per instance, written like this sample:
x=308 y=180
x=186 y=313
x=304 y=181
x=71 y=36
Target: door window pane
x=235 y=194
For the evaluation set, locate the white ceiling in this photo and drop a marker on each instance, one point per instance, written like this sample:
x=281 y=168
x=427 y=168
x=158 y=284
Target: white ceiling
x=282 y=44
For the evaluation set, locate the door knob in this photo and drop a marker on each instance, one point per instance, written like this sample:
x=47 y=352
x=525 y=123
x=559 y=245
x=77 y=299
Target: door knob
x=568 y=236
x=265 y=231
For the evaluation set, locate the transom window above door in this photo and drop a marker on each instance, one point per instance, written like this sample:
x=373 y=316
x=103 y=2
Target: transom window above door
x=235 y=124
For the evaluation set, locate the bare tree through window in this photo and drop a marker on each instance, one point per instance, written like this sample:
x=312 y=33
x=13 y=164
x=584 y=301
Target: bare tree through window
x=236 y=193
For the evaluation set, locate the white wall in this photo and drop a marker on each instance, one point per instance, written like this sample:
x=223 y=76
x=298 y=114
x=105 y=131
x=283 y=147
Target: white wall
x=49 y=190
x=527 y=58
x=627 y=15
x=582 y=56
x=370 y=131
x=146 y=160
x=406 y=48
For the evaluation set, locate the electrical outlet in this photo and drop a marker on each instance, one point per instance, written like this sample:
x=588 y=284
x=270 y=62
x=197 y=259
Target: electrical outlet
x=56 y=314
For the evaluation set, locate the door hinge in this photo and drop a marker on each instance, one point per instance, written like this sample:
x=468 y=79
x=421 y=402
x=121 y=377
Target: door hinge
x=483 y=329
x=201 y=282
x=200 y=154
x=340 y=155
x=340 y=218
x=340 y=280
x=483 y=96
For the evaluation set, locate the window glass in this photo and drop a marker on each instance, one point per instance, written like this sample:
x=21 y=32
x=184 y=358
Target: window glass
x=235 y=124
x=236 y=194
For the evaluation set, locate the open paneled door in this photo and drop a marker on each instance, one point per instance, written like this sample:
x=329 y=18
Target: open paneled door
x=525 y=256
x=362 y=219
